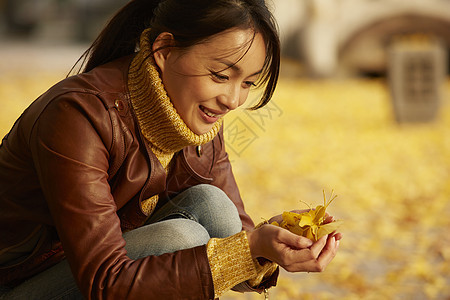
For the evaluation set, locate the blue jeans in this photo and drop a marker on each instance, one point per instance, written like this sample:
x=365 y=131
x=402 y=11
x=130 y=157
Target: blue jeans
x=188 y=220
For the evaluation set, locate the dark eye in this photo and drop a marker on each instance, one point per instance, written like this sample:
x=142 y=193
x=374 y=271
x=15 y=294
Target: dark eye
x=249 y=84
x=219 y=77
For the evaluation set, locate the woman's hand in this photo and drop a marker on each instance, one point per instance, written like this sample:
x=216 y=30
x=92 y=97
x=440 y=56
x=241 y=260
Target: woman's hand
x=292 y=252
x=279 y=218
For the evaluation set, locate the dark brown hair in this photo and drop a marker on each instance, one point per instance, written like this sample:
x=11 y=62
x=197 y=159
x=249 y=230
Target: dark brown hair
x=191 y=22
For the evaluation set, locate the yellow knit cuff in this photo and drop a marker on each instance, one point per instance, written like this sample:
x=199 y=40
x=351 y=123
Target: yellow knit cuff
x=263 y=272
x=230 y=261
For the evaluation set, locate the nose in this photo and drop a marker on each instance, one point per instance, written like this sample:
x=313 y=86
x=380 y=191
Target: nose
x=231 y=98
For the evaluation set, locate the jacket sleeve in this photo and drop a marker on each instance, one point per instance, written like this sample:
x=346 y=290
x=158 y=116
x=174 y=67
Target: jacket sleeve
x=70 y=146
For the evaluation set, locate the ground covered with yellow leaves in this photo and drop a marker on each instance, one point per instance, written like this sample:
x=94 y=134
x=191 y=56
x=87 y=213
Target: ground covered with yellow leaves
x=392 y=182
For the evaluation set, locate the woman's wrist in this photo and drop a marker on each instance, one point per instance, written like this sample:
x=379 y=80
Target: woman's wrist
x=252 y=238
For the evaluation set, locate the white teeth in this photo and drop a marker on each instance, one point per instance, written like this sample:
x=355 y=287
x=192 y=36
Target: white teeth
x=208 y=113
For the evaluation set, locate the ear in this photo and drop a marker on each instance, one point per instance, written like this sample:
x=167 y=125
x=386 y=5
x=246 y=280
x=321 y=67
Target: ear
x=162 y=48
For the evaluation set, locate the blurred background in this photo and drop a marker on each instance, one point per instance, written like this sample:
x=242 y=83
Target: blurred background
x=362 y=108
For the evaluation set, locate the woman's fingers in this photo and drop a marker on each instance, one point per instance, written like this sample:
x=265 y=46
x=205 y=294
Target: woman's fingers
x=317 y=247
x=293 y=252
x=293 y=240
x=328 y=219
x=315 y=259
x=328 y=253
x=278 y=219
x=338 y=236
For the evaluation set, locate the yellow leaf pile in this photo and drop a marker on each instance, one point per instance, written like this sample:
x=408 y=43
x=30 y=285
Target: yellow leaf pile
x=393 y=181
x=310 y=224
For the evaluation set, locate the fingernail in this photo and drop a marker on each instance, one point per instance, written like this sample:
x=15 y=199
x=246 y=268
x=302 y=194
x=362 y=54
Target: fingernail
x=337 y=244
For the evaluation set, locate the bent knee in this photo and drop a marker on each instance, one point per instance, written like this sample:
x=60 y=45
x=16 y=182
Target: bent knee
x=213 y=197
x=218 y=211
x=187 y=233
x=208 y=191
x=165 y=237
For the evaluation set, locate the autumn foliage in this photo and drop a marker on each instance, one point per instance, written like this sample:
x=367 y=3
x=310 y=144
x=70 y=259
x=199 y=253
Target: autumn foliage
x=393 y=181
x=311 y=223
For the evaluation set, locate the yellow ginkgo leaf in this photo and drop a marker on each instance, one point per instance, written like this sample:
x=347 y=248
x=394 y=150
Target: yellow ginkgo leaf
x=310 y=224
x=328 y=228
x=319 y=213
x=275 y=223
x=306 y=220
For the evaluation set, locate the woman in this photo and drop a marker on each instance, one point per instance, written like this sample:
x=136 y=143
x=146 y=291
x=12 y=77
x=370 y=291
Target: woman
x=115 y=183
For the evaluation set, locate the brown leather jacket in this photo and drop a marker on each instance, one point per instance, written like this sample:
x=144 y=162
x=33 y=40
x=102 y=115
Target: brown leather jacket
x=73 y=171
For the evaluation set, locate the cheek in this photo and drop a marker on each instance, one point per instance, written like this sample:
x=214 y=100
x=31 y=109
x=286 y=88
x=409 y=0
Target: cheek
x=188 y=95
x=179 y=90
x=170 y=83
x=202 y=89
x=243 y=96
x=188 y=91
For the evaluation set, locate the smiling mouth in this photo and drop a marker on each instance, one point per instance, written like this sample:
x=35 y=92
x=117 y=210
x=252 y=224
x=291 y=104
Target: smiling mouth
x=208 y=112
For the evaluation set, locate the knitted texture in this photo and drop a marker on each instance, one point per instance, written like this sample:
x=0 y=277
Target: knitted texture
x=230 y=261
x=160 y=124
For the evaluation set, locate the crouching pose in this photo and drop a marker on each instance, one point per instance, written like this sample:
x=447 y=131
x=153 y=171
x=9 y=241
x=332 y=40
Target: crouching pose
x=115 y=183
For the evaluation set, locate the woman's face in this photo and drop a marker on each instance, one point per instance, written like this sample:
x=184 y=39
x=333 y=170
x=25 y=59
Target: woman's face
x=200 y=82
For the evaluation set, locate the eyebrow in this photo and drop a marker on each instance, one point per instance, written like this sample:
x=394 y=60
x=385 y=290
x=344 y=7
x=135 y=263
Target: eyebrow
x=235 y=67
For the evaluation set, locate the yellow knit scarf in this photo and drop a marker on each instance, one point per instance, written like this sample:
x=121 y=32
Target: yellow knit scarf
x=161 y=125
